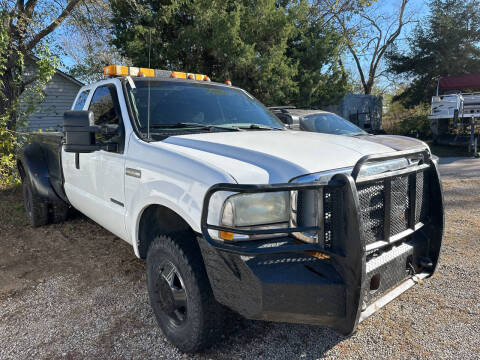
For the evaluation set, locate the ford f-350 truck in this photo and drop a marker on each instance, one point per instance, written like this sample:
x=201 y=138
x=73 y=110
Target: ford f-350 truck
x=232 y=211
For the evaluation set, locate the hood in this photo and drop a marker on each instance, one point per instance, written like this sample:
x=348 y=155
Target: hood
x=395 y=142
x=273 y=156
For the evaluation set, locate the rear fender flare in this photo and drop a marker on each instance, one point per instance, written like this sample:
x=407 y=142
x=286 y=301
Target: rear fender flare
x=35 y=171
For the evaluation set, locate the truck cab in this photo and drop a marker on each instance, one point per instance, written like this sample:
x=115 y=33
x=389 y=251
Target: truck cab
x=234 y=212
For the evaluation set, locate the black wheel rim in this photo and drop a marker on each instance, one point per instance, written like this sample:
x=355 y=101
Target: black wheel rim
x=171 y=294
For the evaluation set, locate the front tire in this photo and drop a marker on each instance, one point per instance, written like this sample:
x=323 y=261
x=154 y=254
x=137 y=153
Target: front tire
x=36 y=209
x=180 y=294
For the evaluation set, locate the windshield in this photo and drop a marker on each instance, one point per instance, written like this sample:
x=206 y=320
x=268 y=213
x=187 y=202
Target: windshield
x=176 y=104
x=330 y=124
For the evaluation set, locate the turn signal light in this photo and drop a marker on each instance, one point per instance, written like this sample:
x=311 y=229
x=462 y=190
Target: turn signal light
x=225 y=235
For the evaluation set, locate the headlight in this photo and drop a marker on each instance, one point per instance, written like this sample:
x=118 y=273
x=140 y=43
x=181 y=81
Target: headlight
x=245 y=210
x=383 y=166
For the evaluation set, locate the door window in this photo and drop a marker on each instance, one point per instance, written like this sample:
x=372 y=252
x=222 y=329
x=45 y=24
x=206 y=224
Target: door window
x=106 y=113
x=82 y=98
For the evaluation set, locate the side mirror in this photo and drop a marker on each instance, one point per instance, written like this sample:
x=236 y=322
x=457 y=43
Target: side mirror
x=79 y=132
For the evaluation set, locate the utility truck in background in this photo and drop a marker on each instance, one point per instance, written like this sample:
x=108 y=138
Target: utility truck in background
x=454 y=115
x=232 y=211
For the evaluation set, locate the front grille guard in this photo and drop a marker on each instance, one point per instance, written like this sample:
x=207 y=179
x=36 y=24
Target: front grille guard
x=347 y=254
x=387 y=180
x=348 y=183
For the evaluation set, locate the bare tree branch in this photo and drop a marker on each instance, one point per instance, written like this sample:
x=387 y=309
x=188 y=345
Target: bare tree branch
x=378 y=40
x=29 y=8
x=53 y=25
x=351 y=49
x=20 y=5
x=393 y=36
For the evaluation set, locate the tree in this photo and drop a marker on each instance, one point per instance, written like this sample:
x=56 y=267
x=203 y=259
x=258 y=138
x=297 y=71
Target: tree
x=87 y=40
x=24 y=28
x=249 y=42
x=368 y=33
x=447 y=44
x=316 y=47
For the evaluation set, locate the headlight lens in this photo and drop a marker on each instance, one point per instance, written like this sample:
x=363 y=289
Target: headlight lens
x=256 y=209
x=383 y=166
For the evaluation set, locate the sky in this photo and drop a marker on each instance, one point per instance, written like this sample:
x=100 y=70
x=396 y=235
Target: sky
x=415 y=8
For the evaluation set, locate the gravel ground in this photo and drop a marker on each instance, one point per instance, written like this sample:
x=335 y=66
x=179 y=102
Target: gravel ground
x=74 y=291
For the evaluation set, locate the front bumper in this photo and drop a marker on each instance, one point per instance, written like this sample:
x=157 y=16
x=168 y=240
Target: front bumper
x=340 y=282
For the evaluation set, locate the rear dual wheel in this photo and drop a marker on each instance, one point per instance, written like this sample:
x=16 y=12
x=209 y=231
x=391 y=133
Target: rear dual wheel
x=36 y=208
x=39 y=211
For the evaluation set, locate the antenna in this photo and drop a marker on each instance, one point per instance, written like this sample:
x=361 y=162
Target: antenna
x=148 y=101
x=149 y=45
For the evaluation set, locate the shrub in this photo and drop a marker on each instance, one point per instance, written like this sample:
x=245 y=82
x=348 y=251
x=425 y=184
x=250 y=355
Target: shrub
x=413 y=122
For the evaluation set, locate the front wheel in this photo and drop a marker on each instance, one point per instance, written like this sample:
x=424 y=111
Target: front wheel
x=180 y=294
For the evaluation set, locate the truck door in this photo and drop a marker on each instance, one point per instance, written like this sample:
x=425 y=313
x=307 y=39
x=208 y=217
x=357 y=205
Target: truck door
x=96 y=187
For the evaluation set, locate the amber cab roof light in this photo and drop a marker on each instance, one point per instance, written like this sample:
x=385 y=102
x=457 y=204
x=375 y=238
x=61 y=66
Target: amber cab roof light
x=120 y=70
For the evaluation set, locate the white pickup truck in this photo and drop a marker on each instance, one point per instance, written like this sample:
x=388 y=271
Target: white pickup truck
x=232 y=211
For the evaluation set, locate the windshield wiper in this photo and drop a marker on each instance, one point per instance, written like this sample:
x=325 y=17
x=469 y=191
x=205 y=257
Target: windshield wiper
x=184 y=125
x=258 y=127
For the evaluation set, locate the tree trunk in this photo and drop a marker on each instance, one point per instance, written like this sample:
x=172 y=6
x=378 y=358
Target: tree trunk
x=10 y=94
x=368 y=87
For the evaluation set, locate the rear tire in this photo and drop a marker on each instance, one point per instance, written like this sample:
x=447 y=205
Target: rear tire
x=180 y=294
x=36 y=208
x=59 y=212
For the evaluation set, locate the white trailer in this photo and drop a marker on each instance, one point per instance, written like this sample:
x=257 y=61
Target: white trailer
x=455 y=115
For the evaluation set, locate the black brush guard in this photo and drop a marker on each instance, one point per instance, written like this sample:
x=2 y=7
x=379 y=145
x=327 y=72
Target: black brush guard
x=282 y=279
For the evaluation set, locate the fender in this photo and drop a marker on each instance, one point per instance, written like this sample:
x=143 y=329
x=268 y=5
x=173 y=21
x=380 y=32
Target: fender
x=154 y=193
x=177 y=182
x=32 y=160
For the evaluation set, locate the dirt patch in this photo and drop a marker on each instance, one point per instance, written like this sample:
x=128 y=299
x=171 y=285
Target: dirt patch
x=75 y=291
x=30 y=256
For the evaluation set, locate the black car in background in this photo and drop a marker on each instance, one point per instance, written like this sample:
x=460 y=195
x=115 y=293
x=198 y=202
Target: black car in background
x=316 y=121
x=329 y=123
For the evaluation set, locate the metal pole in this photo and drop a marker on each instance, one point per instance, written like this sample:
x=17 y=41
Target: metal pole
x=472 y=135
x=148 y=101
x=475 y=144
x=476 y=154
